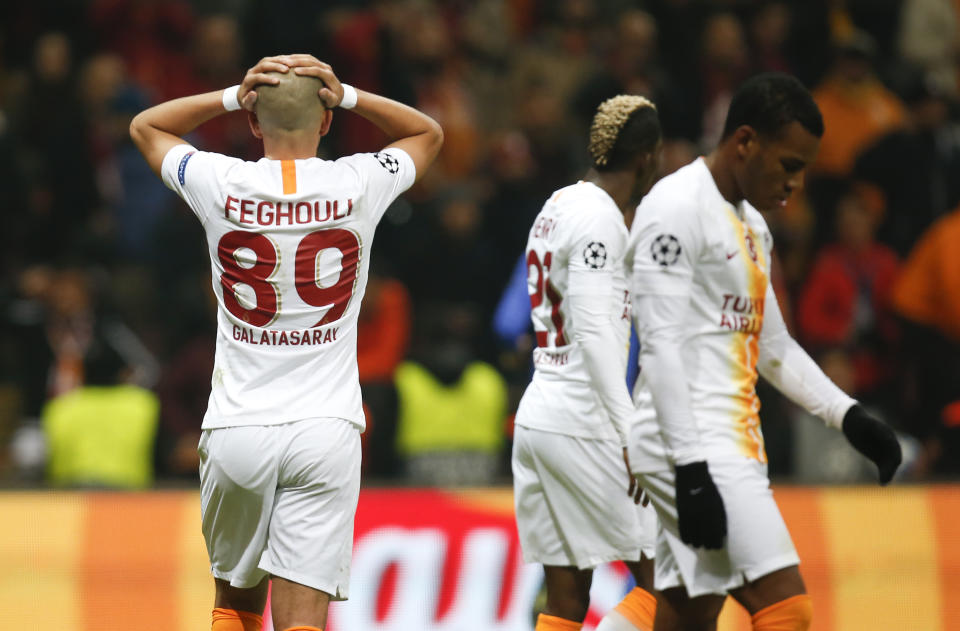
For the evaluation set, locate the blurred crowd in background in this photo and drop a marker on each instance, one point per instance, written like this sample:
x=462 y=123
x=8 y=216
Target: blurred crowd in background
x=107 y=319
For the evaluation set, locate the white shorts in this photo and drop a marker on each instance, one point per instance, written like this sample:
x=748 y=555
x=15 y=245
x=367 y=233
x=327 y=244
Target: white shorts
x=571 y=502
x=757 y=543
x=280 y=500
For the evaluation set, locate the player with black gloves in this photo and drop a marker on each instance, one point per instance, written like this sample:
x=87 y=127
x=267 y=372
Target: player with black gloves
x=709 y=326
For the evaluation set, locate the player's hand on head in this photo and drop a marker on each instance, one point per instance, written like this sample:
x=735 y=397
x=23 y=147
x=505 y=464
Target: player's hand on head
x=874 y=439
x=701 y=517
x=331 y=94
x=258 y=75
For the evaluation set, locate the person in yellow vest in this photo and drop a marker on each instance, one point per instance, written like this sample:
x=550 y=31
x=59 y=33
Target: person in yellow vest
x=102 y=433
x=450 y=420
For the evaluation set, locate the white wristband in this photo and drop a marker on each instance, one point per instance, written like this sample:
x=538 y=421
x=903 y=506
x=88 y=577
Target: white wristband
x=230 y=102
x=349 y=100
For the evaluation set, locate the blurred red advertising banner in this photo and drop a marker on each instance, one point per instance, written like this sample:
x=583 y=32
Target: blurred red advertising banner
x=431 y=560
x=441 y=561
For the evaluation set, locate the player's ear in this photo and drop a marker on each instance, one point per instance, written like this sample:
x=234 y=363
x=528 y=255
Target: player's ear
x=254 y=125
x=745 y=138
x=325 y=124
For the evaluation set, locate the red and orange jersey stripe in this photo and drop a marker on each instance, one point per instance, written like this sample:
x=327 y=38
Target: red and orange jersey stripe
x=745 y=347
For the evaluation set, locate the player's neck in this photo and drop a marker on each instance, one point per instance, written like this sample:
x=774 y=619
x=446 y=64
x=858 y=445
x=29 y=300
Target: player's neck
x=719 y=165
x=290 y=147
x=617 y=184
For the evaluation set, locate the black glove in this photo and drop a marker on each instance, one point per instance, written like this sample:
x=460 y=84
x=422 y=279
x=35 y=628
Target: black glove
x=700 y=515
x=874 y=440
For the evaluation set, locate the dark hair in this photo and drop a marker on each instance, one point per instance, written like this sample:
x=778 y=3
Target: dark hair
x=770 y=101
x=639 y=134
x=102 y=364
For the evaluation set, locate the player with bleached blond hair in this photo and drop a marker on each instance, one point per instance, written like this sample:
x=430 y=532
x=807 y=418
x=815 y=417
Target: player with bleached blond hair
x=570 y=465
x=289 y=240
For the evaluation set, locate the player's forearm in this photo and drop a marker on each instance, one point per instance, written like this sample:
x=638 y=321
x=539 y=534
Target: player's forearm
x=178 y=117
x=599 y=345
x=156 y=130
x=396 y=120
x=791 y=370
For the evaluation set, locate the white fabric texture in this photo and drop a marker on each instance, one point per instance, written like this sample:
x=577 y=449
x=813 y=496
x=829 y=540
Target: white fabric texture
x=593 y=312
x=689 y=243
x=289 y=244
x=757 y=543
x=350 y=97
x=229 y=98
x=571 y=503
x=660 y=321
x=280 y=500
x=581 y=317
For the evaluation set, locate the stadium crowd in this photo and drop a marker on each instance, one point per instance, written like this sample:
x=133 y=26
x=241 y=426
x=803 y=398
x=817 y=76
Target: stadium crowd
x=107 y=319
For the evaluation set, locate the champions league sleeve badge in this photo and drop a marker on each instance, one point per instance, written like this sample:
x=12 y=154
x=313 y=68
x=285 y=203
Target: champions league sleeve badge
x=388 y=162
x=665 y=250
x=595 y=255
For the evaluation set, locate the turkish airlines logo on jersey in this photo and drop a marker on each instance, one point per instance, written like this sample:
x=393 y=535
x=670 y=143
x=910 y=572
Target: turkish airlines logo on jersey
x=665 y=250
x=595 y=255
x=388 y=162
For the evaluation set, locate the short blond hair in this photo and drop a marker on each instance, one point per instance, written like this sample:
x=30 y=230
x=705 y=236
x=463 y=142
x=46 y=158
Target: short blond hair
x=608 y=123
x=292 y=105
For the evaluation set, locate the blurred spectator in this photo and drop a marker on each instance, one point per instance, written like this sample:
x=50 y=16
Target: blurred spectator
x=452 y=406
x=857 y=108
x=365 y=48
x=152 y=37
x=927 y=296
x=510 y=81
x=929 y=37
x=915 y=166
x=844 y=306
x=436 y=66
x=383 y=337
x=101 y=434
x=453 y=261
x=56 y=319
x=216 y=53
x=723 y=65
x=133 y=199
x=514 y=193
x=877 y=18
x=769 y=28
x=184 y=391
x=54 y=154
x=633 y=67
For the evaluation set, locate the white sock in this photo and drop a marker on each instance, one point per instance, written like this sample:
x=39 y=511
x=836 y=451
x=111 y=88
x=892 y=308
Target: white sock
x=614 y=621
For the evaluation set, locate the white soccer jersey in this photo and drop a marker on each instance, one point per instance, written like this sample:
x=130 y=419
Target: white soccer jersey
x=579 y=231
x=688 y=241
x=289 y=244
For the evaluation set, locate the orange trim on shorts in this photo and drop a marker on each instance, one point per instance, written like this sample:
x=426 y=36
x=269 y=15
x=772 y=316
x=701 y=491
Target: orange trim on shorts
x=288 y=171
x=127 y=571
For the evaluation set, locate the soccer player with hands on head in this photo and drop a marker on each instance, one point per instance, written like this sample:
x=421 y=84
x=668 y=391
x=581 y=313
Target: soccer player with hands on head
x=709 y=324
x=570 y=463
x=289 y=241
